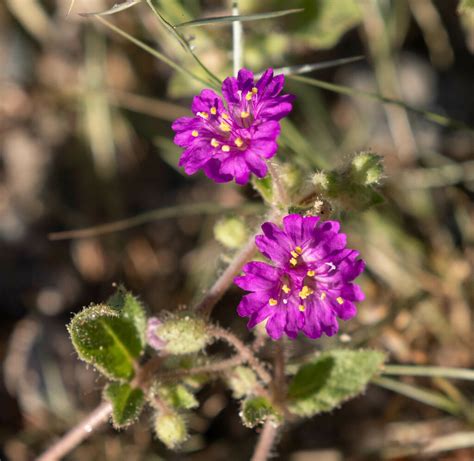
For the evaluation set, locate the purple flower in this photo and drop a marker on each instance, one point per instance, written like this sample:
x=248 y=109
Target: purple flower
x=231 y=141
x=309 y=284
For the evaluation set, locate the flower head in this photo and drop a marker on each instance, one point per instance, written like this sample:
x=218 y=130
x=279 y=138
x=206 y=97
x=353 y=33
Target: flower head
x=231 y=141
x=309 y=284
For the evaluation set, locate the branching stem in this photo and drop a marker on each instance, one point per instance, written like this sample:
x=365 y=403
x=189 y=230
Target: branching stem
x=78 y=433
x=243 y=350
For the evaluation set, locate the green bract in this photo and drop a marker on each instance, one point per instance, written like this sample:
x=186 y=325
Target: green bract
x=231 y=232
x=184 y=334
x=256 y=410
x=110 y=336
x=176 y=395
x=170 y=428
x=242 y=380
x=332 y=378
x=127 y=403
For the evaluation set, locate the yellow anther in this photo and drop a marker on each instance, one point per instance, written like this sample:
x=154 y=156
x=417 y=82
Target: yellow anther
x=245 y=114
x=254 y=90
x=214 y=142
x=310 y=273
x=293 y=261
x=225 y=148
x=239 y=142
x=305 y=292
x=203 y=115
x=213 y=111
x=294 y=254
x=339 y=300
x=299 y=250
x=224 y=126
x=248 y=96
x=301 y=308
x=195 y=133
x=323 y=296
x=286 y=288
x=273 y=302
x=225 y=116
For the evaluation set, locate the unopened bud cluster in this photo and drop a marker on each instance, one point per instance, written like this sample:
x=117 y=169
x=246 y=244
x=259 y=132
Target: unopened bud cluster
x=179 y=334
x=352 y=186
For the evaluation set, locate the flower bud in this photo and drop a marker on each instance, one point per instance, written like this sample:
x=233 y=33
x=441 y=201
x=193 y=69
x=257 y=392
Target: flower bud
x=366 y=168
x=152 y=337
x=171 y=429
x=183 y=334
x=328 y=181
x=242 y=381
x=231 y=232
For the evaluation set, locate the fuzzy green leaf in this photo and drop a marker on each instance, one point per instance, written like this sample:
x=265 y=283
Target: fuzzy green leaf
x=127 y=403
x=131 y=310
x=332 y=378
x=110 y=337
x=255 y=410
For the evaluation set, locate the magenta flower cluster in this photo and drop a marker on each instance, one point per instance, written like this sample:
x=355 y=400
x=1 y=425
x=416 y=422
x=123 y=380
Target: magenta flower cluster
x=309 y=284
x=233 y=138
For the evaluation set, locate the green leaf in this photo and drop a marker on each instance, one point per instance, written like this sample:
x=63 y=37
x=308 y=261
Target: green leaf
x=177 y=396
x=241 y=18
x=466 y=6
x=332 y=378
x=264 y=187
x=256 y=410
x=324 y=21
x=131 y=310
x=127 y=403
x=115 y=9
x=110 y=338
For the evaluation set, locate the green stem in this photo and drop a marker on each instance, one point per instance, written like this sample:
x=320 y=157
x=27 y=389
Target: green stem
x=214 y=82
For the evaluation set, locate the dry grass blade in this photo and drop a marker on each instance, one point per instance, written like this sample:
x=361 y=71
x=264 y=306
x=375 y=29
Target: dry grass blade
x=154 y=215
x=416 y=370
x=341 y=89
x=241 y=18
x=115 y=9
x=425 y=396
x=71 y=6
x=305 y=68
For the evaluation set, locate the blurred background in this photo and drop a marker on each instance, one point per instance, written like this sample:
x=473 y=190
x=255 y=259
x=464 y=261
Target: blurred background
x=85 y=139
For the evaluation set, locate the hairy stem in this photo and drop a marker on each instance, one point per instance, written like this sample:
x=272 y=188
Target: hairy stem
x=265 y=441
x=243 y=350
x=77 y=434
x=279 y=383
x=218 y=367
x=282 y=195
x=225 y=280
